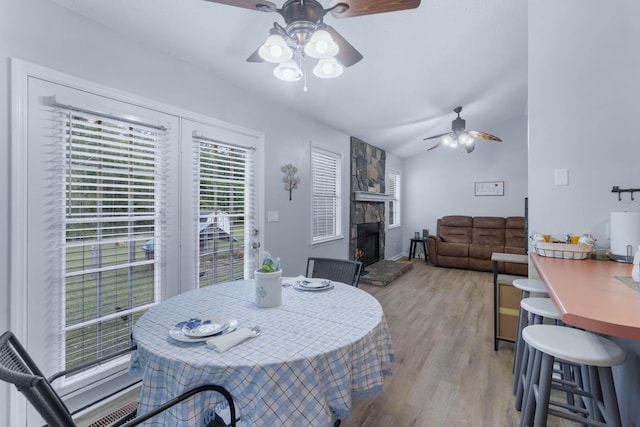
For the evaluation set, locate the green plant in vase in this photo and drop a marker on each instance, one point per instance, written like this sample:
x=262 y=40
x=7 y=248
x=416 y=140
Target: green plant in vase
x=268 y=264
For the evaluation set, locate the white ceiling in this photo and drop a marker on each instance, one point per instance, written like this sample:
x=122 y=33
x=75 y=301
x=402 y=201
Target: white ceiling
x=418 y=64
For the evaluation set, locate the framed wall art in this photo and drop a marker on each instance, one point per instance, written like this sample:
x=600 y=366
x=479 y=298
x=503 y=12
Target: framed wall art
x=490 y=188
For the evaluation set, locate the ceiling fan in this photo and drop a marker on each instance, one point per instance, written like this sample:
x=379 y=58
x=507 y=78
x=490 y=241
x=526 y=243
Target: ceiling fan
x=460 y=136
x=306 y=34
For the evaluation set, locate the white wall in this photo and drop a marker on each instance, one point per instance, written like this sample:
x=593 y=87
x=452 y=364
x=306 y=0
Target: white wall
x=584 y=104
x=584 y=88
x=441 y=182
x=42 y=33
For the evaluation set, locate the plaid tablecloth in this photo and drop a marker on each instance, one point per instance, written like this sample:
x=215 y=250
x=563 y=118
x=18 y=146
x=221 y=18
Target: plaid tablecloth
x=316 y=352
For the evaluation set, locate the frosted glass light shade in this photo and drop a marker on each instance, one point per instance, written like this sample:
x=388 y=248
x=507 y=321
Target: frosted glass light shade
x=328 y=68
x=275 y=50
x=465 y=140
x=321 y=45
x=288 y=71
x=449 y=141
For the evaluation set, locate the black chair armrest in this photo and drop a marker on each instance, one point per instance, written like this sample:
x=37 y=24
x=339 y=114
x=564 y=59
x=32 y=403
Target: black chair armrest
x=207 y=387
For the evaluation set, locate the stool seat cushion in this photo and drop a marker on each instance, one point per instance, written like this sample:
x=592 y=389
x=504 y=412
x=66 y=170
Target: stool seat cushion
x=573 y=345
x=541 y=306
x=531 y=285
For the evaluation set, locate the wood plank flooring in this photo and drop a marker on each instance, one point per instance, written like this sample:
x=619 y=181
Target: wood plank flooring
x=446 y=372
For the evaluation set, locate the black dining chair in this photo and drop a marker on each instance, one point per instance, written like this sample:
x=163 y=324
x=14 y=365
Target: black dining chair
x=19 y=369
x=338 y=270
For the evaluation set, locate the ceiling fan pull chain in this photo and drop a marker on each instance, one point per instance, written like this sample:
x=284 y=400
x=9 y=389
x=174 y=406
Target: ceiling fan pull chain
x=304 y=76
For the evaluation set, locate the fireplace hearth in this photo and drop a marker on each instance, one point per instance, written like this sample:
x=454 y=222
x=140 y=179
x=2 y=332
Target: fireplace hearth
x=368 y=243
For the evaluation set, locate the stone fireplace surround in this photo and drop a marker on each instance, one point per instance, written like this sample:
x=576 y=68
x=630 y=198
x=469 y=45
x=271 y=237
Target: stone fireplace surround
x=367 y=174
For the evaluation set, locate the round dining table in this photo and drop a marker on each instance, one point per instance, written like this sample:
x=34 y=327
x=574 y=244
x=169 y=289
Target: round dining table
x=316 y=352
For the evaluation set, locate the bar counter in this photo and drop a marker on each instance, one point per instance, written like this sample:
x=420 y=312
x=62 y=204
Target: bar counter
x=588 y=295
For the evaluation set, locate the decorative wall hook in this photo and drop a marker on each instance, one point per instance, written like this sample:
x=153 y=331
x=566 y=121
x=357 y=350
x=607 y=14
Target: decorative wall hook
x=618 y=190
x=290 y=179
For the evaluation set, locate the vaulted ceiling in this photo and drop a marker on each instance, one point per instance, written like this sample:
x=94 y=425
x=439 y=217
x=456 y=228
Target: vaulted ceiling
x=418 y=64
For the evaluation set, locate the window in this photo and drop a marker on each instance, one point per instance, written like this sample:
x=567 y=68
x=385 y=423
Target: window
x=103 y=209
x=326 y=208
x=91 y=195
x=226 y=208
x=393 y=189
x=111 y=197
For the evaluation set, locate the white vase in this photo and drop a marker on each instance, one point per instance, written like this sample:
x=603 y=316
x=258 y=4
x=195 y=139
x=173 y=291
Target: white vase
x=268 y=288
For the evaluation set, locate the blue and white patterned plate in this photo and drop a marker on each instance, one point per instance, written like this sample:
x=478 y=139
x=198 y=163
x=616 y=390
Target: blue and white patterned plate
x=305 y=285
x=200 y=329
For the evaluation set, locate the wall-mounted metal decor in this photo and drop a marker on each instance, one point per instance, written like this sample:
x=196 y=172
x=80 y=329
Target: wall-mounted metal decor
x=290 y=179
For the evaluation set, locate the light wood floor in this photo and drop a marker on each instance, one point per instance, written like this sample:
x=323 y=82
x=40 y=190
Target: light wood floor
x=446 y=372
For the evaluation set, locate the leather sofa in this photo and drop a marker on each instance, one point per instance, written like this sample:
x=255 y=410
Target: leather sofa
x=467 y=242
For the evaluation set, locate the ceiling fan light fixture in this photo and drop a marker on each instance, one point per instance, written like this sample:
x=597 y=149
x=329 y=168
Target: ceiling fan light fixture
x=288 y=71
x=460 y=136
x=275 y=50
x=321 y=45
x=328 y=68
x=465 y=140
x=449 y=141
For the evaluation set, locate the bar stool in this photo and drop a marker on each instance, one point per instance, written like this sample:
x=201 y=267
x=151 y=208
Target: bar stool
x=527 y=287
x=538 y=310
x=595 y=355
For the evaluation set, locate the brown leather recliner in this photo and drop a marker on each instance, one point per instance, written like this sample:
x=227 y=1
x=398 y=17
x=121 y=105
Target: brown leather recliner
x=468 y=242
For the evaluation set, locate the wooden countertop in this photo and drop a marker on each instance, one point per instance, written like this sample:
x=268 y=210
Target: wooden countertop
x=520 y=259
x=588 y=295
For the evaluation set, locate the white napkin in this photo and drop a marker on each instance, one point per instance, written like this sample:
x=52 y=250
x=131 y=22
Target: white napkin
x=224 y=342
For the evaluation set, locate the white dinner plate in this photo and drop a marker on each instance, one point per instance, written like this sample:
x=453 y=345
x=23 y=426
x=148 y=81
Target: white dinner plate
x=207 y=327
x=313 y=286
x=179 y=335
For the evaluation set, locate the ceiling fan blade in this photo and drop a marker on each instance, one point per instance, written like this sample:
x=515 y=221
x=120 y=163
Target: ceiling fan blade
x=369 y=7
x=438 y=144
x=437 y=136
x=347 y=55
x=261 y=5
x=482 y=135
x=255 y=56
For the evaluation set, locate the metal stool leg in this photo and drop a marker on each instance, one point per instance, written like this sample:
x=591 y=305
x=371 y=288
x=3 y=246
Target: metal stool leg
x=518 y=351
x=520 y=390
x=610 y=400
x=529 y=401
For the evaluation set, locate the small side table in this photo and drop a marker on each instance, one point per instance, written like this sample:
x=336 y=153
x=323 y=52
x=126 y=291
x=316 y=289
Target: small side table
x=506 y=299
x=414 y=244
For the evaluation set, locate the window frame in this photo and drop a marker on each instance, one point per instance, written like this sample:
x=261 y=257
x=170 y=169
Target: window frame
x=337 y=188
x=180 y=222
x=239 y=154
x=395 y=198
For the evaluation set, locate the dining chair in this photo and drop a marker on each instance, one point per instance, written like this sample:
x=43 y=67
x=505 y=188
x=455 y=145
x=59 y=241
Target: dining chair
x=338 y=270
x=19 y=369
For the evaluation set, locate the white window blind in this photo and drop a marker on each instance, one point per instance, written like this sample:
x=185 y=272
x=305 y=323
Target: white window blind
x=326 y=203
x=112 y=225
x=393 y=189
x=226 y=209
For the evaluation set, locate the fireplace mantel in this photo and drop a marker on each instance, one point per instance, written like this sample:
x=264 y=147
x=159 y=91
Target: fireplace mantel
x=370 y=196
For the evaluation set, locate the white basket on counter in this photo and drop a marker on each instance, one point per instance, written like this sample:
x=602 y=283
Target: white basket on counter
x=563 y=250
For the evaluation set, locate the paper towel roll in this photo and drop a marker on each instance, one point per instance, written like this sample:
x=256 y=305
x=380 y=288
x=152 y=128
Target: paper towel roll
x=625 y=230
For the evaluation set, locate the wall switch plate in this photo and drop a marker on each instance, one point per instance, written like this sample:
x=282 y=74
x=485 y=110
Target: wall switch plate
x=272 y=216
x=562 y=176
